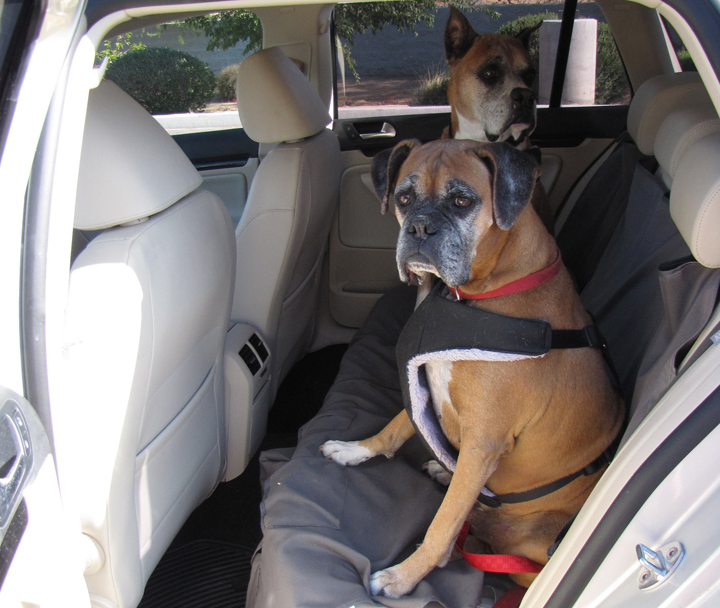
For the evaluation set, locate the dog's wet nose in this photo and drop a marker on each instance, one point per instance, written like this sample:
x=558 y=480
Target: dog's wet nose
x=522 y=97
x=422 y=227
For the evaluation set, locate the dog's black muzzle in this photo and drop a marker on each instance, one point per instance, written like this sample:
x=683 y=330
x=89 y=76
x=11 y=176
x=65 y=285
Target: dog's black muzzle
x=421 y=236
x=427 y=236
x=523 y=107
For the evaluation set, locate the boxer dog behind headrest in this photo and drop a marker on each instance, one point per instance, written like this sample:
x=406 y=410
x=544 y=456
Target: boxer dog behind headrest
x=518 y=425
x=491 y=78
x=490 y=91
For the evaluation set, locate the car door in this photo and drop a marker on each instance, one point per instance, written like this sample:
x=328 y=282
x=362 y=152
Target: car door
x=648 y=535
x=40 y=563
x=373 y=114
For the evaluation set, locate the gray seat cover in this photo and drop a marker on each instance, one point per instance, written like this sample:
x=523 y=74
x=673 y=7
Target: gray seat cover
x=624 y=293
x=327 y=527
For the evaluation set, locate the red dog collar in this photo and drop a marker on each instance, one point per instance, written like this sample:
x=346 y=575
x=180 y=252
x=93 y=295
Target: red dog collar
x=528 y=282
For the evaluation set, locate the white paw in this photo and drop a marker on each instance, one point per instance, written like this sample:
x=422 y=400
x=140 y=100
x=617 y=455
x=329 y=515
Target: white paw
x=437 y=472
x=345 y=452
x=389 y=583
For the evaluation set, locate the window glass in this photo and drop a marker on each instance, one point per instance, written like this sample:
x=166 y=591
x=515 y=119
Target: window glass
x=400 y=65
x=684 y=62
x=184 y=72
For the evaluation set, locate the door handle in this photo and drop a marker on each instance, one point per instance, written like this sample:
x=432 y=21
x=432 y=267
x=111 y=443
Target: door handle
x=16 y=458
x=386 y=132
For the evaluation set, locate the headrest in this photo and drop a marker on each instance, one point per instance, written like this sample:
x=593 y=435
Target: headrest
x=275 y=101
x=130 y=168
x=656 y=98
x=679 y=132
x=695 y=200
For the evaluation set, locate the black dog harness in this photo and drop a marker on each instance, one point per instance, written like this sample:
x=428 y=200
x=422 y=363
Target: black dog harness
x=443 y=329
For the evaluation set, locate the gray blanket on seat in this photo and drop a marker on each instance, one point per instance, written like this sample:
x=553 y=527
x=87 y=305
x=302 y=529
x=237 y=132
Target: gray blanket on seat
x=327 y=527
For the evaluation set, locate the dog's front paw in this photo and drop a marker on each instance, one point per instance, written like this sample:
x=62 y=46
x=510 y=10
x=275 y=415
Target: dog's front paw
x=390 y=583
x=346 y=452
x=437 y=472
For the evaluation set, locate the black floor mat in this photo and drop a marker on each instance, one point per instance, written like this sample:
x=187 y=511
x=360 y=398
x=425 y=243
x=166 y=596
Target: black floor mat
x=200 y=573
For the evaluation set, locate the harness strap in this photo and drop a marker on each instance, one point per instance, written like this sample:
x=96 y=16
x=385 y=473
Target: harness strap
x=577 y=338
x=506 y=564
x=516 y=497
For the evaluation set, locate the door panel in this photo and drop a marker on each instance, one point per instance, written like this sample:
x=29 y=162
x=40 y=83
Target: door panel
x=362 y=245
x=227 y=160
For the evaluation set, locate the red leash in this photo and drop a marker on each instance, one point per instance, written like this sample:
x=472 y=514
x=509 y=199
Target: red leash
x=507 y=564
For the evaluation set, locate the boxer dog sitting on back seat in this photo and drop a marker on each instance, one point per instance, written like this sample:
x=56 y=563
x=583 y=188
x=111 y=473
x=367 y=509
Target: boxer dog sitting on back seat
x=522 y=412
x=490 y=91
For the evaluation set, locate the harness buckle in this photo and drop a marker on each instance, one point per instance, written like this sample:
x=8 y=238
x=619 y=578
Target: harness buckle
x=594 y=337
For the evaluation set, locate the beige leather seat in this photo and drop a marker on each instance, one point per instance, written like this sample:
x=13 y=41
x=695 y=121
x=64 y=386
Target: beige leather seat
x=147 y=316
x=282 y=235
x=656 y=98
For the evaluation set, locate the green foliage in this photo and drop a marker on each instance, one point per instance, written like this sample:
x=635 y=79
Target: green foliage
x=432 y=90
x=225 y=86
x=113 y=49
x=224 y=30
x=610 y=80
x=686 y=62
x=162 y=80
x=513 y=28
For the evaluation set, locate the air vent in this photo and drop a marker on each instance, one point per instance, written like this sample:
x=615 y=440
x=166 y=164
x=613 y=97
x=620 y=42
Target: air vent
x=259 y=347
x=247 y=355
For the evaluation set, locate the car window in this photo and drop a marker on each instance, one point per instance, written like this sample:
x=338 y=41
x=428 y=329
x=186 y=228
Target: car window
x=395 y=59
x=184 y=72
x=683 y=61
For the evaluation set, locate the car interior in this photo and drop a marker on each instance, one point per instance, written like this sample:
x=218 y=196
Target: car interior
x=234 y=302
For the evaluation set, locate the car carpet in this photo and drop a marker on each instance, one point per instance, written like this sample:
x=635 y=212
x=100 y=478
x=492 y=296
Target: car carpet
x=208 y=563
x=201 y=573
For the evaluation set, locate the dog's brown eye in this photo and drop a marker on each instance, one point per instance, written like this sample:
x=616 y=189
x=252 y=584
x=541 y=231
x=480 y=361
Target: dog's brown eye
x=489 y=74
x=462 y=201
x=403 y=199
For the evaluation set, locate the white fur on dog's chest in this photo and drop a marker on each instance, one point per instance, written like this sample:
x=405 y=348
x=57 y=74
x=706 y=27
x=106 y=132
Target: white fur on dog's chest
x=439 y=374
x=470 y=129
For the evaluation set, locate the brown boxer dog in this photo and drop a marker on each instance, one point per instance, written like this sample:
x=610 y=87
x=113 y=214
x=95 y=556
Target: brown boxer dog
x=490 y=90
x=465 y=216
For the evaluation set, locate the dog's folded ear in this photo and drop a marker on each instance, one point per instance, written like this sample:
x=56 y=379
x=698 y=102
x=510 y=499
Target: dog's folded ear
x=524 y=35
x=515 y=174
x=459 y=36
x=385 y=168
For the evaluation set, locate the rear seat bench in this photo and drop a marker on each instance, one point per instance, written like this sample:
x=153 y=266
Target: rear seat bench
x=327 y=527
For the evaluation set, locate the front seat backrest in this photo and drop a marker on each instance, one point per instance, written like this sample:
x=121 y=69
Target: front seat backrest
x=148 y=311
x=284 y=229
